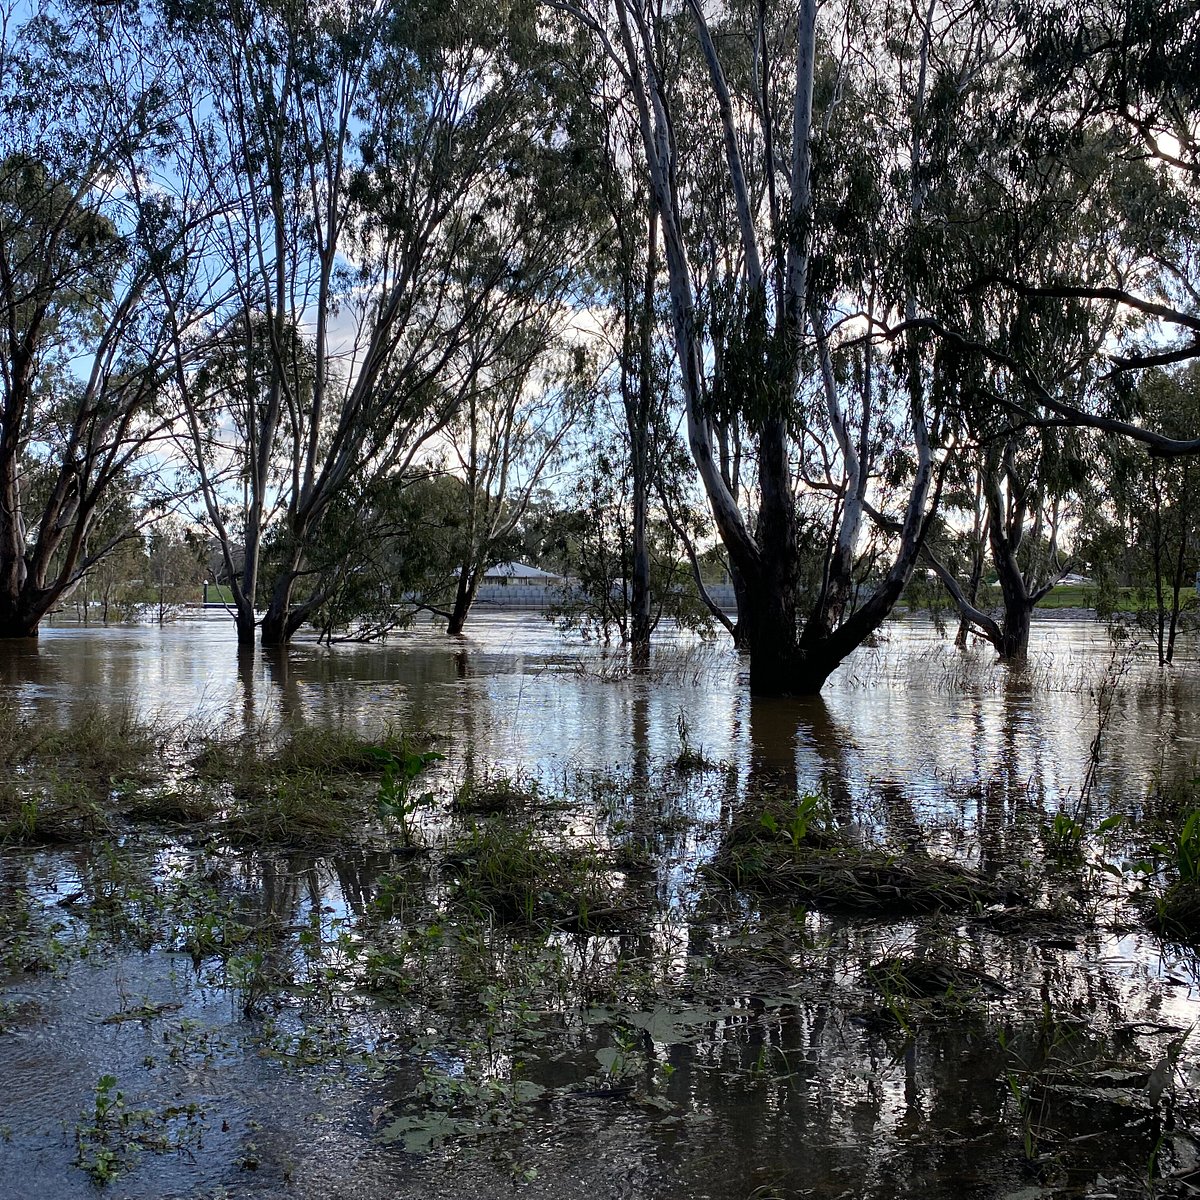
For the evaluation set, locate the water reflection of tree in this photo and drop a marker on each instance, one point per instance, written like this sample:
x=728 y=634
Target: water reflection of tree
x=1011 y=769
x=784 y=734
x=874 y=1108
x=283 y=678
x=22 y=664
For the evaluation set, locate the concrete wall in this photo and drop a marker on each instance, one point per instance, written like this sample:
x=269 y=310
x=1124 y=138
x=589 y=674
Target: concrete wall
x=518 y=595
x=512 y=595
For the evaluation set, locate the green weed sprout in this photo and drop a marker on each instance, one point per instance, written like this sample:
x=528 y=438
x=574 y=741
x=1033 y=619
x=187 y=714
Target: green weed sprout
x=398 y=803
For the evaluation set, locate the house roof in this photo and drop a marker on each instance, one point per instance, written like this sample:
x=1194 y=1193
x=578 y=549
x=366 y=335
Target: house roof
x=517 y=570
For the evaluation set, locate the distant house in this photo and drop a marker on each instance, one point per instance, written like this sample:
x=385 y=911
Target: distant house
x=518 y=585
x=521 y=575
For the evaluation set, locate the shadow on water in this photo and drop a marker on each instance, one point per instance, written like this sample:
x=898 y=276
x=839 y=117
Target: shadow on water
x=554 y=994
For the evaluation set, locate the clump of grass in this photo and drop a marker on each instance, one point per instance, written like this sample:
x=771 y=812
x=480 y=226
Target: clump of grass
x=68 y=781
x=508 y=871
x=689 y=758
x=791 y=848
x=267 y=753
x=52 y=811
x=337 y=751
x=299 y=809
x=104 y=742
x=778 y=825
x=184 y=804
x=929 y=978
x=498 y=793
x=853 y=879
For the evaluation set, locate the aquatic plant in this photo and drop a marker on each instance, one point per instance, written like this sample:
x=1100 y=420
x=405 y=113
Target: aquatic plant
x=109 y=1135
x=810 y=812
x=398 y=804
x=1187 y=849
x=689 y=758
x=1175 y=912
x=1063 y=836
x=512 y=873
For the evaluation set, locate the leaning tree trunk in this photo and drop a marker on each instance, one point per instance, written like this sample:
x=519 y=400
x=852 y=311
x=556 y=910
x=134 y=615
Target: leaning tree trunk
x=283 y=618
x=464 y=597
x=1012 y=645
x=978 y=561
x=972 y=594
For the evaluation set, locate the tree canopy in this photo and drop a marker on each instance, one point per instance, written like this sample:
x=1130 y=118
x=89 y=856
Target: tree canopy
x=274 y=265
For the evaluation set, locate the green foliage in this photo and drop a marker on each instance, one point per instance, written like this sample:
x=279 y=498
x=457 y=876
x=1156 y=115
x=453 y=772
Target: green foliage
x=103 y=1160
x=110 y=1134
x=810 y=814
x=1064 y=837
x=591 y=536
x=1182 y=853
x=396 y=800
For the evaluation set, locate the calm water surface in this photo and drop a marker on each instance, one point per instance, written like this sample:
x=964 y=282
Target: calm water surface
x=912 y=713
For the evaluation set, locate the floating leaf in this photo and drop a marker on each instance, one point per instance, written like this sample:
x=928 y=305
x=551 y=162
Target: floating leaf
x=421 y=1132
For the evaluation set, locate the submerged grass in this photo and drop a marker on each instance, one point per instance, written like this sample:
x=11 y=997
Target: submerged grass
x=494 y=792
x=110 y=769
x=297 y=809
x=793 y=850
x=491 y=968
x=510 y=872
x=68 y=782
x=268 y=752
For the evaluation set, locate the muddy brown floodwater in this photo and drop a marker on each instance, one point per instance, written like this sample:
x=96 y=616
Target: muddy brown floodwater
x=578 y=956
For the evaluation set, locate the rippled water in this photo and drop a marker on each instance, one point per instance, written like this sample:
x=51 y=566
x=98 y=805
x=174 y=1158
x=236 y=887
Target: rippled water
x=911 y=712
x=766 y=1069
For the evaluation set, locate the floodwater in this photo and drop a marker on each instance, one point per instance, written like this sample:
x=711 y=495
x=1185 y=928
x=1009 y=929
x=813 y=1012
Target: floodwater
x=910 y=712
x=724 y=1048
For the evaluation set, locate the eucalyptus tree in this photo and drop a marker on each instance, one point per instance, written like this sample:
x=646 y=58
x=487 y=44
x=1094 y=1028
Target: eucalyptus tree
x=594 y=541
x=1154 y=510
x=1107 y=91
x=624 y=290
x=516 y=415
x=1047 y=212
x=1131 y=71
x=831 y=137
x=98 y=241
x=1024 y=476
x=368 y=151
x=1026 y=483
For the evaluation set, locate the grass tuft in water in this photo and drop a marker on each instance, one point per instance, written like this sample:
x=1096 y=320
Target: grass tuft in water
x=506 y=870
x=792 y=849
x=298 y=809
x=495 y=793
